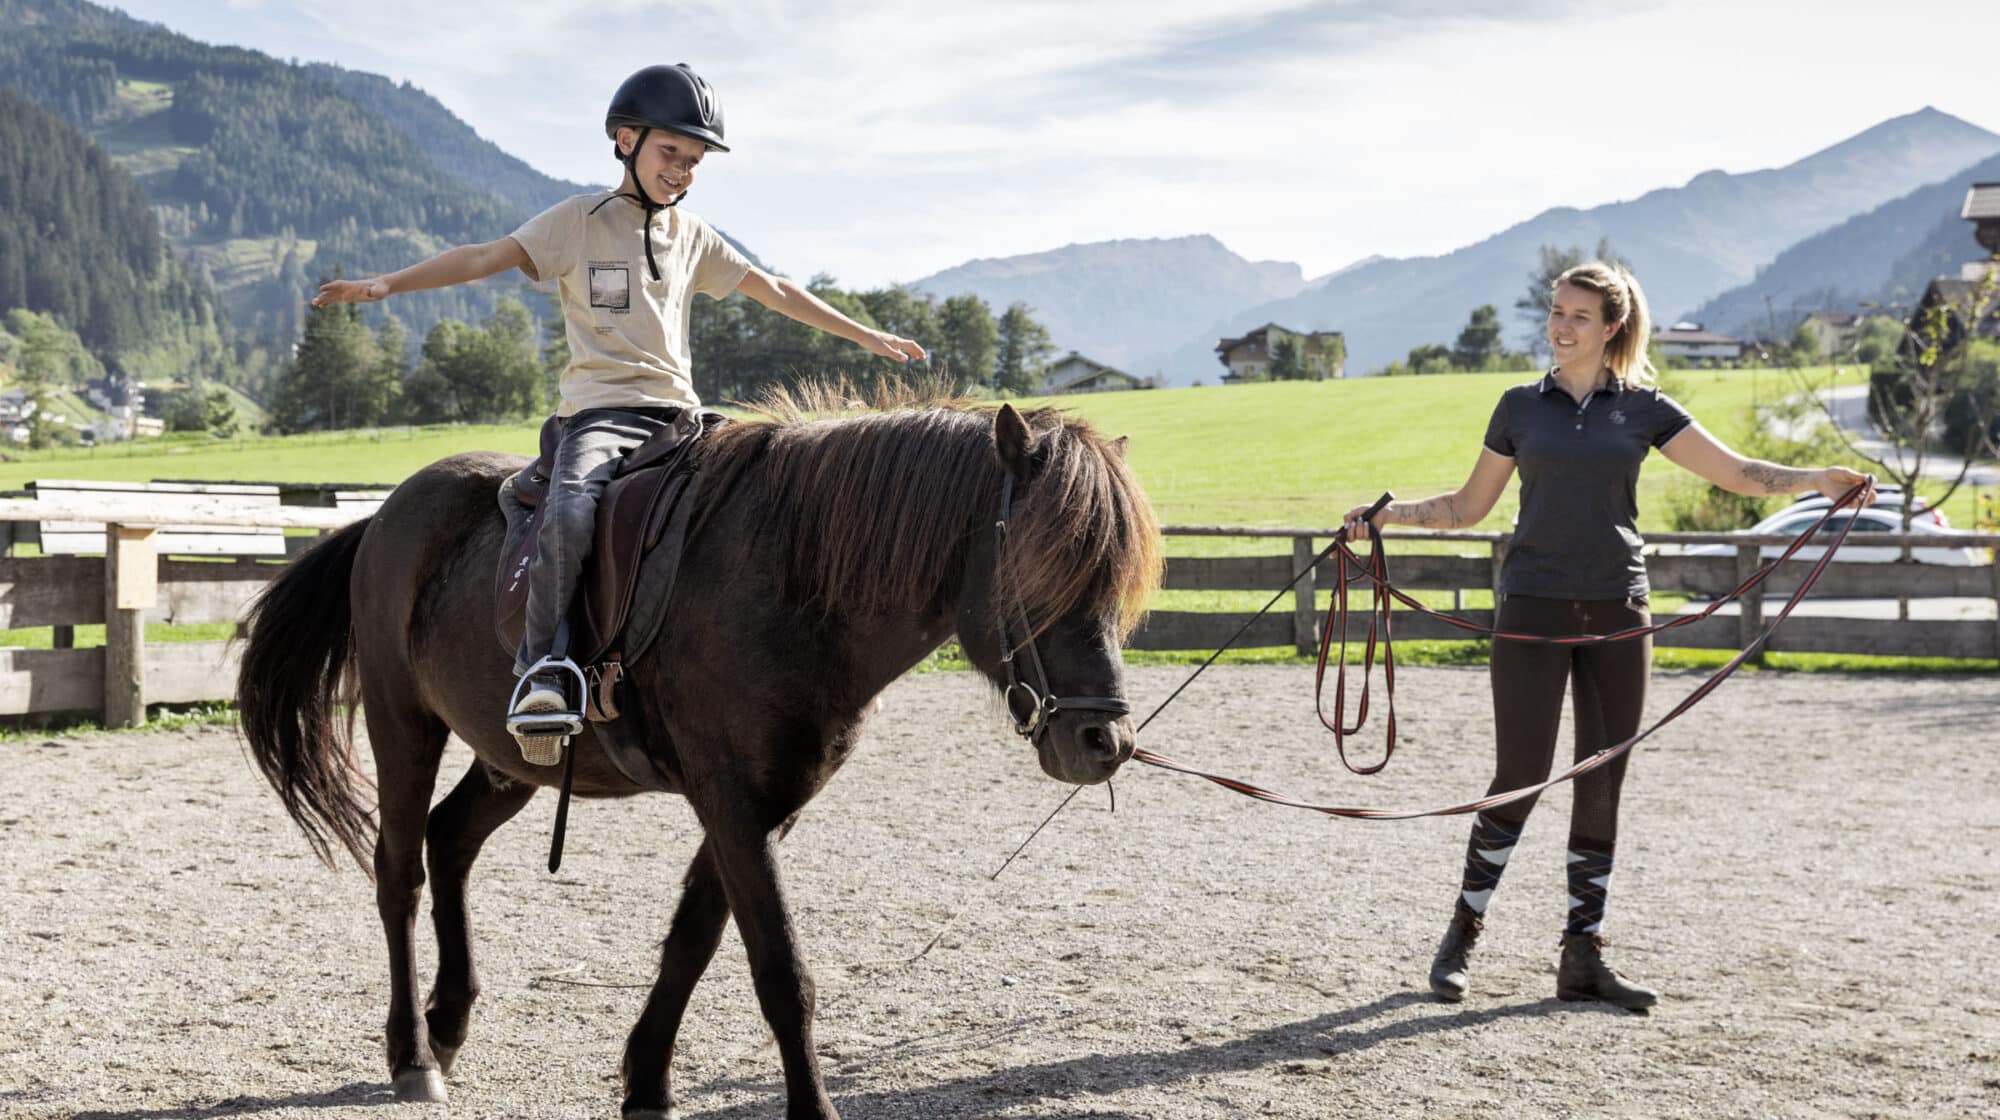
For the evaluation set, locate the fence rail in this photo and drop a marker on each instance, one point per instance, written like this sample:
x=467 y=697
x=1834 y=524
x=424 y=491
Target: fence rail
x=1668 y=572
x=132 y=584
x=128 y=587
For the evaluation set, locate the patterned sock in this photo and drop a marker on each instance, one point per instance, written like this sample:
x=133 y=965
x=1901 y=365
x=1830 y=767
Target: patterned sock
x=1485 y=858
x=1589 y=882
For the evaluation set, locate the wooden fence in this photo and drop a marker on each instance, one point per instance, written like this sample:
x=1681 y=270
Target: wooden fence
x=1475 y=565
x=133 y=584
x=130 y=585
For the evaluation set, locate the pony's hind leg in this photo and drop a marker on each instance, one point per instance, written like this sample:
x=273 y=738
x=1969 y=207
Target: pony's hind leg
x=690 y=945
x=408 y=744
x=480 y=803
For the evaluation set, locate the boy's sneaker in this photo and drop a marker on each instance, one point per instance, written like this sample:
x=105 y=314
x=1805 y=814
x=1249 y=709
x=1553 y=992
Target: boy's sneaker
x=543 y=718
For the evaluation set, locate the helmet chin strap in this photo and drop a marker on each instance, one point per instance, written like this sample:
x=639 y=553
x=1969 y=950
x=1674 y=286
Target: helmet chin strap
x=646 y=202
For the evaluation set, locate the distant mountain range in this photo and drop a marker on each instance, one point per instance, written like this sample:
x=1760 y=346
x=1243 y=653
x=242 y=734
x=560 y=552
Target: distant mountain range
x=1885 y=256
x=267 y=175
x=1688 y=244
x=1111 y=299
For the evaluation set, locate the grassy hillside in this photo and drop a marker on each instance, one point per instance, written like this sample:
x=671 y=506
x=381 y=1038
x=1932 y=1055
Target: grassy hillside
x=1291 y=454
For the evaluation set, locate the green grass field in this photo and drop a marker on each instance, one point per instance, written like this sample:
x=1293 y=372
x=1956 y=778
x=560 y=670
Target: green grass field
x=1276 y=455
x=377 y=457
x=1300 y=454
x=1293 y=454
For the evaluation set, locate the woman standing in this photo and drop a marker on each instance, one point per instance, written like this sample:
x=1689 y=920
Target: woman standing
x=1573 y=566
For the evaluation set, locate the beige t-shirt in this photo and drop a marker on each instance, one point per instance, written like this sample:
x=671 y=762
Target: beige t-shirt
x=628 y=333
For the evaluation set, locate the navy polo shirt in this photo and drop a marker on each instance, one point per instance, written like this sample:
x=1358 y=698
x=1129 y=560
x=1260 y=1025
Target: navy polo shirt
x=1577 y=535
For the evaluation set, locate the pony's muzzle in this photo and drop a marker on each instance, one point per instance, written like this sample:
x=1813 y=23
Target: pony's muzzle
x=1087 y=748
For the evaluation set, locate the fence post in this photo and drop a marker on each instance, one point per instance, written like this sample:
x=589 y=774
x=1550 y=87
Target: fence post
x=1993 y=566
x=131 y=586
x=1305 y=598
x=1499 y=558
x=1750 y=608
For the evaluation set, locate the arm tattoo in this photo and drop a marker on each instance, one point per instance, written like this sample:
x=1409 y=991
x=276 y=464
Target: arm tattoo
x=1774 y=478
x=1433 y=513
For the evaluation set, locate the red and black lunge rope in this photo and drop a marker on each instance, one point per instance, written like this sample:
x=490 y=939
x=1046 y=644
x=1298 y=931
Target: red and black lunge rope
x=1375 y=571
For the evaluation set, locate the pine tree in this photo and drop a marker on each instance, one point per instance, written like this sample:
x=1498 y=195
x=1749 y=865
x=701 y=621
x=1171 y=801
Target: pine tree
x=969 y=340
x=1022 y=350
x=317 y=388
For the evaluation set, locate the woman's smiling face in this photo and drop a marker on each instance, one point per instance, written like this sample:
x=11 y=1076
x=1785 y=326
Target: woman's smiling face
x=1578 y=331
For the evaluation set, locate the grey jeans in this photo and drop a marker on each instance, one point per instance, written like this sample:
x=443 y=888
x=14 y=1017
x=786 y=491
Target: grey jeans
x=594 y=442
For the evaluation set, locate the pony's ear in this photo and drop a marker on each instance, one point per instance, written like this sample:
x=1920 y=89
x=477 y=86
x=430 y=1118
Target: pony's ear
x=1117 y=446
x=1013 y=442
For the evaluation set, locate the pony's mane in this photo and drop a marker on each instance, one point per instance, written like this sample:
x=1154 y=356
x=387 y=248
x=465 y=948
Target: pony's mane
x=867 y=503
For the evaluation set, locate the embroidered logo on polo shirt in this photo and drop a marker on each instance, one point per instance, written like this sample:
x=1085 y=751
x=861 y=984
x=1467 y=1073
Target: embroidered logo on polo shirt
x=1617 y=416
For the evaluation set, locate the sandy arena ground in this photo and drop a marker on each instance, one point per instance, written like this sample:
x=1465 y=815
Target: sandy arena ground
x=1808 y=872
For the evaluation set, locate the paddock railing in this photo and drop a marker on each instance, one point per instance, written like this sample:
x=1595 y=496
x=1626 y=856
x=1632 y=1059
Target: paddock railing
x=1474 y=566
x=132 y=584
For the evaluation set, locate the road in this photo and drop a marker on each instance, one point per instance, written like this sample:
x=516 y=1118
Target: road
x=1849 y=406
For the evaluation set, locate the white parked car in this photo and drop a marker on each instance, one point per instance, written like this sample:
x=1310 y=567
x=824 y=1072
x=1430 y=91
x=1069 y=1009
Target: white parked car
x=1878 y=518
x=1886 y=497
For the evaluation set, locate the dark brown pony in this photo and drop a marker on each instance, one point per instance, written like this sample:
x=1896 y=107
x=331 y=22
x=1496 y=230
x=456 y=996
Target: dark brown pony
x=825 y=558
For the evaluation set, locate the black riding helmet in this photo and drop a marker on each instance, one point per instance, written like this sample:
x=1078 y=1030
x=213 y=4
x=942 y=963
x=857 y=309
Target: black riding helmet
x=674 y=98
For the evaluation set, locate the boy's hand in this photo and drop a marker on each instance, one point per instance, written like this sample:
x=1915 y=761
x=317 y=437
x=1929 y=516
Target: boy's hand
x=882 y=344
x=351 y=291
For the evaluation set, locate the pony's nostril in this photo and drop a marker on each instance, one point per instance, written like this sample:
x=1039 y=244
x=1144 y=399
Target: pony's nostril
x=1098 y=741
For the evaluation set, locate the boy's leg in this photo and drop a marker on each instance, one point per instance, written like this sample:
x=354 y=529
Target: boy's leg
x=593 y=443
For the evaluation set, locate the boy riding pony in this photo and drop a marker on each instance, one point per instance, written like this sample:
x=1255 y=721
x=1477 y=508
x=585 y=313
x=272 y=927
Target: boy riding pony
x=628 y=264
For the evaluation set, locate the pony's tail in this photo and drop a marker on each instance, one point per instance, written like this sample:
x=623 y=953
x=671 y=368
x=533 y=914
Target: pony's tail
x=293 y=681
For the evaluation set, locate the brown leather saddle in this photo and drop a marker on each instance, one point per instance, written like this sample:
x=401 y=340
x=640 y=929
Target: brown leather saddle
x=643 y=512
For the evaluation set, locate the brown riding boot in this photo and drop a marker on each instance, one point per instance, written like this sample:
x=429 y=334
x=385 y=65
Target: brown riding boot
x=1448 y=967
x=1584 y=975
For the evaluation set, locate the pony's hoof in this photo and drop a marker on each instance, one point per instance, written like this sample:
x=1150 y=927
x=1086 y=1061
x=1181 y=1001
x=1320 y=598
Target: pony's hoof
x=420 y=1086
x=447 y=1057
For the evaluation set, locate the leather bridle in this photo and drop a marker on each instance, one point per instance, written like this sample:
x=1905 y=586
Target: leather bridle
x=1043 y=703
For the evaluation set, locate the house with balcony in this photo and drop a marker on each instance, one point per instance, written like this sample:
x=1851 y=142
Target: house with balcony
x=1692 y=344
x=1319 y=355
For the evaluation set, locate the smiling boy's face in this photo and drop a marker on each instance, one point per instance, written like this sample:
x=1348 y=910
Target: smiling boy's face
x=666 y=161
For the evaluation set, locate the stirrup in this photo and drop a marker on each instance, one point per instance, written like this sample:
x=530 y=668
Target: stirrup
x=542 y=725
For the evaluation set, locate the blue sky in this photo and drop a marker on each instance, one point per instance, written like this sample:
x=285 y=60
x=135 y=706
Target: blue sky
x=883 y=141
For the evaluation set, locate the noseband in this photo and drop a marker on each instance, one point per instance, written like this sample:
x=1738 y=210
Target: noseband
x=1044 y=704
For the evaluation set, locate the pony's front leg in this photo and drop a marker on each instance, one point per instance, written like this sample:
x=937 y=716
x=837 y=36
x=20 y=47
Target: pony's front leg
x=690 y=945
x=748 y=864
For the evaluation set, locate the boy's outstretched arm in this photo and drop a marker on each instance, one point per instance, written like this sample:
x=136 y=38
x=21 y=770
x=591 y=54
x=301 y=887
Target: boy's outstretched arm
x=453 y=266
x=787 y=297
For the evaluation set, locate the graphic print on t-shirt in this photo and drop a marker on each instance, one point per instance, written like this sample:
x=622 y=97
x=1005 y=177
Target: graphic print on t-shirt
x=611 y=285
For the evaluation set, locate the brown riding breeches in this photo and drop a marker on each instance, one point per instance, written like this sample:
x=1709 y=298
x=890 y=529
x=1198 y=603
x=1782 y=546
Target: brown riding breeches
x=1607 y=683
